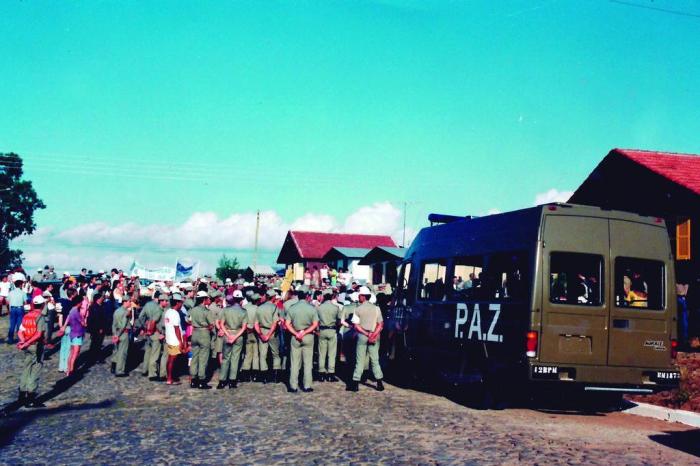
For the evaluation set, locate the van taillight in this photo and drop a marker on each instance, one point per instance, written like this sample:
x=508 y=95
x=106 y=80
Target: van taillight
x=674 y=349
x=531 y=345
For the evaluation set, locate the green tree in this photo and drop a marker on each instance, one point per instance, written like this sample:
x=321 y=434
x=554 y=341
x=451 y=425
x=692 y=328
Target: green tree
x=228 y=268
x=18 y=201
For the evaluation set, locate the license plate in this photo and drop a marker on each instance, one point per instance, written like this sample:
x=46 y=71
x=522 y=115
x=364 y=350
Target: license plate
x=545 y=370
x=670 y=376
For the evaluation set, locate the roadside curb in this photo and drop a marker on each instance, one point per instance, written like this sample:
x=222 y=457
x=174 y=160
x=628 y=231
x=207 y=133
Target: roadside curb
x=665 y=414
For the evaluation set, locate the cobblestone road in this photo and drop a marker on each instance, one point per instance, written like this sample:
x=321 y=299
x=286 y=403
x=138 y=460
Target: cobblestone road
x=102 y=420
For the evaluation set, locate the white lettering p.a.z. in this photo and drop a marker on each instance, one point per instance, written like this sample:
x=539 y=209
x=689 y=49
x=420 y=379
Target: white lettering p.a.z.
x=474 y=331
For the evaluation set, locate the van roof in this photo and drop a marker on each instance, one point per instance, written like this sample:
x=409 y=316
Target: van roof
x=509 y=231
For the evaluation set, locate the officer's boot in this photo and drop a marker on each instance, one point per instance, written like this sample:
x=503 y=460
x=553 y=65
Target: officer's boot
x=352 y=386
x=22 y=398
x=203 y=385
x=32 y=402
x=113 y=367
x=254 y=376
x=222 y=384
x=380 y=385
x=264 y=377
x=243 y=376
x=232 y=383
x=278 y=375
x=194 y=382
x=331 y=377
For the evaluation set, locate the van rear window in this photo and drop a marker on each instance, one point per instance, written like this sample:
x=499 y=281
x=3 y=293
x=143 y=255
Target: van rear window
x=639 y=283
x=575 y=279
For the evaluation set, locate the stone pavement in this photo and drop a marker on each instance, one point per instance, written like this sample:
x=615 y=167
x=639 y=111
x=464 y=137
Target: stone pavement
x=100 y=419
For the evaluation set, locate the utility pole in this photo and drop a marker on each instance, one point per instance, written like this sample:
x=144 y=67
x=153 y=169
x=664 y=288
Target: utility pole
x=257 y=232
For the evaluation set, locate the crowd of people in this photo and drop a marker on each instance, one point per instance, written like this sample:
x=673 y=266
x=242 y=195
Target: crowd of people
x=268 y=330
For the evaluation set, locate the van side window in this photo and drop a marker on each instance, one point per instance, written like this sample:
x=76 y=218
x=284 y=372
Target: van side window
x=466 y=278
x=507 y=276
x=575 y=278
x=405 y=288
x=432 y=280
x=639 y=283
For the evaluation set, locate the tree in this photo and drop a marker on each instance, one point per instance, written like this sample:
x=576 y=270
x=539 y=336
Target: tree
x=228 y=268
x=18 y=201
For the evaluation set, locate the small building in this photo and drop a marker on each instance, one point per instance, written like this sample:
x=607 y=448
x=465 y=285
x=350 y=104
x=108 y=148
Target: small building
x=302 y=249
x=385 y=262
x=661 y=184
x=349 y=259
x=259 y=271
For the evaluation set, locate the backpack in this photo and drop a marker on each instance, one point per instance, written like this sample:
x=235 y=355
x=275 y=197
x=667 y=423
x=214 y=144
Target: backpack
x=29 y=325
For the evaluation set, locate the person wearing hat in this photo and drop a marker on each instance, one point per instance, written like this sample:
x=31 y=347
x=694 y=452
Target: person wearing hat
x=368 y=322
x=266 y=323
x=201 y=340
x=301 y=322
x=251 y=360
x=216 y=309
x=147 y=322
x=31 y=337
x=233 y=324
x=328 y=317
x=121 y=324
x=16 y=299
x=175 y=343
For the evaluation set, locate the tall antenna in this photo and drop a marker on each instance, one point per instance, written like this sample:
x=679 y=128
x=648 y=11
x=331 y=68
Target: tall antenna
x=257 y=231
x=403 y=240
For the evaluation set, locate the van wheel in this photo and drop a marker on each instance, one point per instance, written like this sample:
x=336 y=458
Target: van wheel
x=602 y=402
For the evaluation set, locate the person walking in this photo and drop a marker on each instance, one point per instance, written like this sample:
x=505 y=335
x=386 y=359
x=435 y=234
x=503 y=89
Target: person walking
x=301 y=322
x=328 y=317
x=266 y=322
x=201 y=340
x=233 y=324
x=77 y=322
x=368 y=322
x=97 y=326
x=150 y=320
x=31 y=342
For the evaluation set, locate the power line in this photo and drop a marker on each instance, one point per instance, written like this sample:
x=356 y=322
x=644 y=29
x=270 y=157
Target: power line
x=656 y=8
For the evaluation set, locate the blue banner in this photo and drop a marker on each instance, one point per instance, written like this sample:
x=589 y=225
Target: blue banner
x=183 y=272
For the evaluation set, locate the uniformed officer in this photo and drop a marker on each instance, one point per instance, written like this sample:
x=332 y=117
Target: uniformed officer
x=301 y=322
x=233 y=324
x=329 y=315
x=201 y=340
x=291 y=300
x=121 y=324
x=368 y=323
x=149 y=321
x=267 y=318
x=251 y=361
x=31 y=343
x=216 y=309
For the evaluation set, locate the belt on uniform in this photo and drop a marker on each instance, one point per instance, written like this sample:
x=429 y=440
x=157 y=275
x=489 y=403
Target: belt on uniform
x=327 y=327
x=200 y=328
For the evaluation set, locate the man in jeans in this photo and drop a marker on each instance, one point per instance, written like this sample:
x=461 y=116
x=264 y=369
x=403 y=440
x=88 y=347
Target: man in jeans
x=17 y=298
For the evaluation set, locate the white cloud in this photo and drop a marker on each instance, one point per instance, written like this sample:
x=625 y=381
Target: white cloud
x=553 y=195
x=203 y=235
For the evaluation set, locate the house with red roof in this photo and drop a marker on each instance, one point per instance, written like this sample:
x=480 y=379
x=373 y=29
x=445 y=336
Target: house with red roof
x=660 y=184
x=306 y=249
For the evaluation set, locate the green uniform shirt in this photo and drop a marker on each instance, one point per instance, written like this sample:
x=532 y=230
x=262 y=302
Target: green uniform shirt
x=151 y=311
x=216 y=312
x=188 y=303
x=328 y=314
x=120 y=321
x=252 y=311
x=302 y=315
x=200 y=317
x=267 y=314
x=347 y=310
x=235 y=317
x=369 y=315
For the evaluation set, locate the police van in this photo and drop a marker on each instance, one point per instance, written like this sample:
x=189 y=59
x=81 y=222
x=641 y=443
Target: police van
x=559 y=294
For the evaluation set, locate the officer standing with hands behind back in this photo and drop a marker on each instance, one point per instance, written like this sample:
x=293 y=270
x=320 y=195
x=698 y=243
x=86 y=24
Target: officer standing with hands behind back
x=368 y=323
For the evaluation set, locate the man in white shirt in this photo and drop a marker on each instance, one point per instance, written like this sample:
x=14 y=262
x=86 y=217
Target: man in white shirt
x=174 y=341
x=4 y=293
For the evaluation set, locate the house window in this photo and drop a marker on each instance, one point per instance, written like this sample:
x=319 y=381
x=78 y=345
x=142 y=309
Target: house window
x=683 y=239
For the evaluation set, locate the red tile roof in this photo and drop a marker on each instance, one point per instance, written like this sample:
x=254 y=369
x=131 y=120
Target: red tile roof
x=683 y=169
x=313 y=245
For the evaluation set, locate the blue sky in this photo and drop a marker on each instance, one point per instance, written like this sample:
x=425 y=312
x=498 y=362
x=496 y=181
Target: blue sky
x=156 y=129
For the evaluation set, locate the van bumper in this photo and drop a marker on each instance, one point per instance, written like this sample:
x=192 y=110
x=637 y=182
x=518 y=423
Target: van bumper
x=607 y=378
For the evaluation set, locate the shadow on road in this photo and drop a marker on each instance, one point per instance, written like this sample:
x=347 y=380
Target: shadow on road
x=10 y=426
x=687 y=441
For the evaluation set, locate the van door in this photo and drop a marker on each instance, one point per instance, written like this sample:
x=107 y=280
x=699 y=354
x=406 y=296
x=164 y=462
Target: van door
x=575 y=307
x=639 y=318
